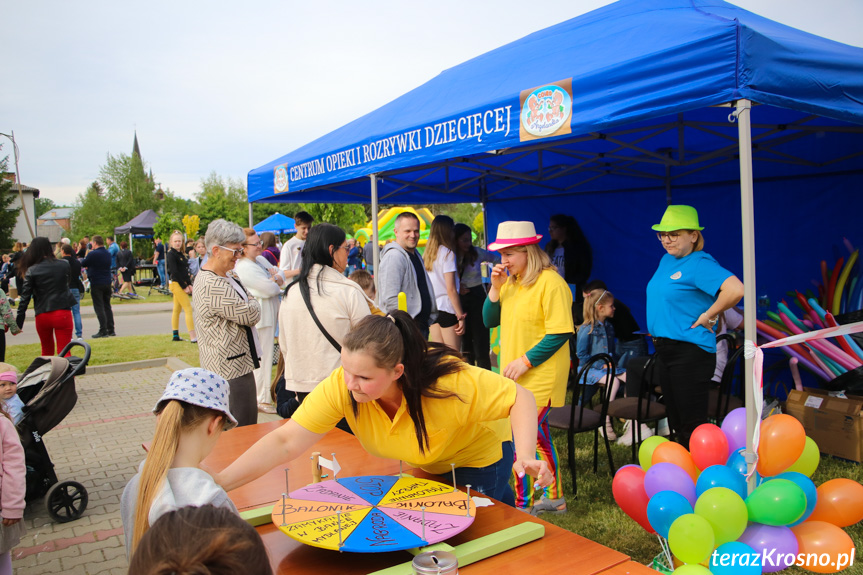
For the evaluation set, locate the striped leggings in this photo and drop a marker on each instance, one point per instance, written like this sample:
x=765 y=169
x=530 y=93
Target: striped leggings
x=545 y=451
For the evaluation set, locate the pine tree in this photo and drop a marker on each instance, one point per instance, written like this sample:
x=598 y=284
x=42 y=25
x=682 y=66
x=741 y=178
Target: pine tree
x=8 y=215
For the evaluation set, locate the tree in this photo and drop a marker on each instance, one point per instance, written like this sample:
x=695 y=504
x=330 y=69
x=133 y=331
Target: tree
x=44 y=205
x=349 y=217
x=221 y=199
x=166 y=224
x=89 y=216
x=128 y=189
x=8 y=216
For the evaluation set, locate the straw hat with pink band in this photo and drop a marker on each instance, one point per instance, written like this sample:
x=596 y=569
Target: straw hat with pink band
x=513 y=234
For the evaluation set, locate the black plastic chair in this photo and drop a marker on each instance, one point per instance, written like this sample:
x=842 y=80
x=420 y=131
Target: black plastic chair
x=579 y=417
x=641 y=408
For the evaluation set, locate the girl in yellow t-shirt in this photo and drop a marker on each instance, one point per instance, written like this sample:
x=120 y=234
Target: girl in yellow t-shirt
x=532 y=303
x=407 y=399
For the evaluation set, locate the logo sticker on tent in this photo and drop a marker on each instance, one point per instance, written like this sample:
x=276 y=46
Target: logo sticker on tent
x=546 y=111
x=280 y=178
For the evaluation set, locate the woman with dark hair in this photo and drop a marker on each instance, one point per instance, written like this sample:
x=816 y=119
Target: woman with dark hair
x=571 y=254
x=270 y=250
x=319 y=310
x=439 y=261
x=76 y=288
x=126 y=267
x=415 y=401
x=205 y=539
x=47 y=281
x=469 y=259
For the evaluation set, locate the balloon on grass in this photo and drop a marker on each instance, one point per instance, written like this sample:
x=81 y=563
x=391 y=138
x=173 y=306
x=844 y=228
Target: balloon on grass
x=675 y=453
x=776 y=502
x=664 y=508
x=819 y=537
x=782 y=441
x=808 y=461
x=708 y=446
x=628 y=490
x=669 y=477
x=840 y=502
x=769 y=539
x=725 y=511
x=691 y=570
x=809 y=491
x=691 y=538
x=721 y=476
x=645 y=452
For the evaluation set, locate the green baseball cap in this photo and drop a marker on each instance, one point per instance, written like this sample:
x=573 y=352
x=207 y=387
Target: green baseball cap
x=678 y=218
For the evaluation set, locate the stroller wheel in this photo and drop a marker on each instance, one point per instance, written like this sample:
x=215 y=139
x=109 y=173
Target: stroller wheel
x=66 y=501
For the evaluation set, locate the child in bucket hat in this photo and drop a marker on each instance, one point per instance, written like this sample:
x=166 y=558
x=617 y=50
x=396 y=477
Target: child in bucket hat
x=191 y=414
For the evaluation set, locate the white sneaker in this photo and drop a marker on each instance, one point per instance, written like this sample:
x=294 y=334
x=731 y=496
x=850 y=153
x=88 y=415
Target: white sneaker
x=626 y=439
x=662 y=427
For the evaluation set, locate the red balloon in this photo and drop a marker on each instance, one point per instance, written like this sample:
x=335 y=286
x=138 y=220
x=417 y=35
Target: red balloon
x=840 y=502
x=675 y=453
x=708 y=446
x=629 y=494
x=782 y=441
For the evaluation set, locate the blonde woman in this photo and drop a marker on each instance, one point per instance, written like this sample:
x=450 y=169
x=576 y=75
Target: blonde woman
x=181 y=286
x=532 y=304
x=439 y=261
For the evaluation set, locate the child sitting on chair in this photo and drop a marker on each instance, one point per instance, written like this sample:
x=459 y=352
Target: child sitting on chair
x=190 y=416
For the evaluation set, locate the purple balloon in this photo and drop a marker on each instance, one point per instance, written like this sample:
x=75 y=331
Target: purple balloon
x=770 y=542
x=734 y=428
x=669 y=477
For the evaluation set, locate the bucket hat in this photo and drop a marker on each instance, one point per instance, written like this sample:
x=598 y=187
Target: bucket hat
x=199 y=387
x=511 y=234
x=678 y=217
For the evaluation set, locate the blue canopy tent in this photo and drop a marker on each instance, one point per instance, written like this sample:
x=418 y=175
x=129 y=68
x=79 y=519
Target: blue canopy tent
x=691 y=101
x=277 y=223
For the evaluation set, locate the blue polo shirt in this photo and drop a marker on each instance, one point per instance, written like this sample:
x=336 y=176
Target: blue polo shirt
x=680 y=291
x=98 y=264
x=113 y=249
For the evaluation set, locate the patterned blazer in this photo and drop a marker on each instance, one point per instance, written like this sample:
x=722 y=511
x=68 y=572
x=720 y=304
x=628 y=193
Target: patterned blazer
x=224 y=321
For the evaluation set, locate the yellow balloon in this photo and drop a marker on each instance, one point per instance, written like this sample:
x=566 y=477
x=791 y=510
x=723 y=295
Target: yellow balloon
x=808 y=461
x=691 y=538
x=645 y=452
x=691 y=569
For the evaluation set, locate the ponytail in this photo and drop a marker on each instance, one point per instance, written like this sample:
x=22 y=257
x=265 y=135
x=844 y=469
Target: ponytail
x=174 y=418
x=396 y=339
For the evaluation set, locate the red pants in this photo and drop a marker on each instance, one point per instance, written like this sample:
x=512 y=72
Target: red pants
x=53 y=325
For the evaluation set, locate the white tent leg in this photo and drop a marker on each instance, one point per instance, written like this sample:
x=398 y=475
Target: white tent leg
x=376 y=248
x=744 y=135
x=251 y=222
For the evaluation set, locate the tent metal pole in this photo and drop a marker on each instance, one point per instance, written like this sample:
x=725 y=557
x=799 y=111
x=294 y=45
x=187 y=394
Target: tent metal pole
x=376 y=248
x=251 y=222
x=744 y=134
x=483 y=194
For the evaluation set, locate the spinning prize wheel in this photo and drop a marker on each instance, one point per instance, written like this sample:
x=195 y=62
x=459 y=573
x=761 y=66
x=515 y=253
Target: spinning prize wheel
x=374 y=513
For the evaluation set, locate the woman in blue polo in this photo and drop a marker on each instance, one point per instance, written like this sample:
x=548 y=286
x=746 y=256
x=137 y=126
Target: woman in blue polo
x=684 y=299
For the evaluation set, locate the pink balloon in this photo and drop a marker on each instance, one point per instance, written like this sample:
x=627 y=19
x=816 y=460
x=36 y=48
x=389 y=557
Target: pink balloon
x=708 y=446
x=734 y=428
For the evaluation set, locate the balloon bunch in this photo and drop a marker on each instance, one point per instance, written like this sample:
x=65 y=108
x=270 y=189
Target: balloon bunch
x=840 y=292
x=697 y=500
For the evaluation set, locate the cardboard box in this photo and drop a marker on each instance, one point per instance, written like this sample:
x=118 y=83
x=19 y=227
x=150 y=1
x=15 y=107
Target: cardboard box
x=834 y=423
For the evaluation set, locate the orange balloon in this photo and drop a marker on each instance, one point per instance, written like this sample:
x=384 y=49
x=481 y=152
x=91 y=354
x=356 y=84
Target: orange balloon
x=782 y=441
x=817 y=537
x=675 y=453
x=840 y=502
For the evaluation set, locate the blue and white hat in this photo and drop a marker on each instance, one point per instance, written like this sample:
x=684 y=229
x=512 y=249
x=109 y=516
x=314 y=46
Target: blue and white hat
x=199 y=387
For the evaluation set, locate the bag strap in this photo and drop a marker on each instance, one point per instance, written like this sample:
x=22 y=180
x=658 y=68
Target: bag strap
x=308 y=300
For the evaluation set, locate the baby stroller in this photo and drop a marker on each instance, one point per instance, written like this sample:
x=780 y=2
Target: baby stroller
x=47 y=389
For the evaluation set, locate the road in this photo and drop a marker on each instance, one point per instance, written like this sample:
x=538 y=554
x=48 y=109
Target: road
x=129 y=319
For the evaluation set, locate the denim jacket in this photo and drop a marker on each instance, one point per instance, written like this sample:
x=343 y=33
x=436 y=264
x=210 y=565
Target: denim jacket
x=591 y=342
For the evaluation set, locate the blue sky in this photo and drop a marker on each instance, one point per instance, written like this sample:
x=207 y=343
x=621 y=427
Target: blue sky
x=228 y=86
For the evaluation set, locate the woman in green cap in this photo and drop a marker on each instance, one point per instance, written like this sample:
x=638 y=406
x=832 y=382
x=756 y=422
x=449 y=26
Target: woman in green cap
x=684 y=299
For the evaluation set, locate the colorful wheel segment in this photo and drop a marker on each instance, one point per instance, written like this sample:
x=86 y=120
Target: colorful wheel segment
x=374 y=513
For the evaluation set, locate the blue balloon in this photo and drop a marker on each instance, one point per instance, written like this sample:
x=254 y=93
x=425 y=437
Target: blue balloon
x=664 y=508
x=721 y=476
x=808 y=488
x=735 y=558
x=737 y=462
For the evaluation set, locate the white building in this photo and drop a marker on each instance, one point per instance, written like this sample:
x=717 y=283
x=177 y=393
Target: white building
x=21 y=233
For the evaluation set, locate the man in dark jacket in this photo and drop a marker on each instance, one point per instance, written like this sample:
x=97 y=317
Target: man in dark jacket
x=98 y=264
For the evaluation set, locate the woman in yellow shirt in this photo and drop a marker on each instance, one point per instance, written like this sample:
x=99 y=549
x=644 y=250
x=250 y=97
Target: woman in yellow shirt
x=407 y=399
x=532 y=304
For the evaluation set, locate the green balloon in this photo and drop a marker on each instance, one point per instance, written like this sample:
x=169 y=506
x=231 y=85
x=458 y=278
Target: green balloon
x=776 y=502
x=691 y=538
x=645 y=452
x=725 y=511
x=689 y=569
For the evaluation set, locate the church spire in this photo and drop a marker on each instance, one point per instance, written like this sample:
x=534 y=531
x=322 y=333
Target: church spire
x=135 y=148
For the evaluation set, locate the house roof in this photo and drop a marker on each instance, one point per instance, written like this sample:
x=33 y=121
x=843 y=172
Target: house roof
x=57 y=214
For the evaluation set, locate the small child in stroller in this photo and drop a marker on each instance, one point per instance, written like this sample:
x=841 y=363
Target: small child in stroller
x=9 y=394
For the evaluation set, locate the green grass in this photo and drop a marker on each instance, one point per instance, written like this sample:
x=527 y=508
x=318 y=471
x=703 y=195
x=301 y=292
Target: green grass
x=116 y=350
x=596 y=516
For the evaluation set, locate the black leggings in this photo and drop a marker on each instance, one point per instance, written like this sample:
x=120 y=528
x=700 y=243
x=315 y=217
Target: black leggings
x=476 y=337
x=685 y=374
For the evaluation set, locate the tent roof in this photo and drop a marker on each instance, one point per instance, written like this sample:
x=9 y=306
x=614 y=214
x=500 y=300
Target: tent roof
x=276 y=223
x=655 y=67
x=141 y=224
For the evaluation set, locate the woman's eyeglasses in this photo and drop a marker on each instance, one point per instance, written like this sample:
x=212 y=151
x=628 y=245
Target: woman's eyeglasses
x=671 y=236
x=259 y=244
x=234 y=253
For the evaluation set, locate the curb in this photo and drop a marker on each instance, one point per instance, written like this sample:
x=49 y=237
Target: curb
x=169 y=362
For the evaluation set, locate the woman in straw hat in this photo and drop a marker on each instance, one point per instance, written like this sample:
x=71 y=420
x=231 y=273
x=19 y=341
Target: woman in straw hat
x=684 y=299
x=532 y=304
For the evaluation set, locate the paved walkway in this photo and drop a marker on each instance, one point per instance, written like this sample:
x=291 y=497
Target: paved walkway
x=98 y=445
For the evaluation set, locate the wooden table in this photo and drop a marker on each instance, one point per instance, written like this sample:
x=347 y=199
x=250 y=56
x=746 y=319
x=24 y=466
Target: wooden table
x=558 y=551
x=629 y=568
